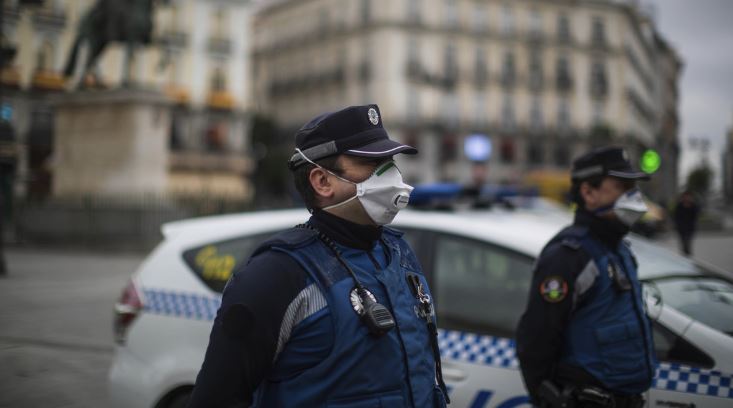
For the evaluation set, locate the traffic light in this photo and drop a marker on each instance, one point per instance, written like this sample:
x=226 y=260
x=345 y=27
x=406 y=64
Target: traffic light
x=650 y=161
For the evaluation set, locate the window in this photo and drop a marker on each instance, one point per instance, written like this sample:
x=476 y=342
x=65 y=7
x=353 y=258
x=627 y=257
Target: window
x=413 y=11
x=507 y=72
x=535 y=154
x=672 y=348
x=535 y=115
x=561 y=154
x=535 y=70
x=507 y=151
x=479 y=287
x=563 y=115
x=480 y=110
x=706 y=299
x=535 y=23
x=413 y=105
x=599 y=81
x=451 y=13
x=480 y=18
x=598 y=115
x=413 y=58
x=214 y=263
x=450 y=64
x=507 y=20
x=563 y=29
x=365 y=11
x=481 y=72
x=507 y=113
x=451 y=112
x=564 y=80
x=599 y=32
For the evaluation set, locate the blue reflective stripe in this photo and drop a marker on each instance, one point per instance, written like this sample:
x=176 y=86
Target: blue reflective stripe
x=461 y=346
x=693 y=380
x=472 y=348
x=179 y=304
x=481 y=399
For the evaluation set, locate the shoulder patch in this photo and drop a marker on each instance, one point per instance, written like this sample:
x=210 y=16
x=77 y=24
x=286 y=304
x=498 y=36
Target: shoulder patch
x=553 y=289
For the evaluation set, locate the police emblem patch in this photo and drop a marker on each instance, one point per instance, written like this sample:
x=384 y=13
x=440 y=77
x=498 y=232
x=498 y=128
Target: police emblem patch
x=554 y=289
x=373 y=116
x=356 y=300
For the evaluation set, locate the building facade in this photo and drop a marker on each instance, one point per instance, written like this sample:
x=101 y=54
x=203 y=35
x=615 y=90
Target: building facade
x=198 y=58
x=544 y=80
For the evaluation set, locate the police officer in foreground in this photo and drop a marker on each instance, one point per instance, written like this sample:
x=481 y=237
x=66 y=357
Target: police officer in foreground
x=584 y=339
x=336 y=311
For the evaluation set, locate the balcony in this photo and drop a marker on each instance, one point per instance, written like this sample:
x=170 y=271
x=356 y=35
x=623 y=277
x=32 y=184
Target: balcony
x=46 y=80
x=229 y=162
x=49 y=18
x=173 y=38
x=220 y=99
x=178 y=94
x=219 y=45
x=10 y=77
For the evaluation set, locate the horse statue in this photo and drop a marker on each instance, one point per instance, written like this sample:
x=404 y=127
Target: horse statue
x=126 y=21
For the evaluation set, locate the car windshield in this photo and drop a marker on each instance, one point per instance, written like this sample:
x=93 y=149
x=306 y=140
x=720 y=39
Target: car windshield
x=687 y=286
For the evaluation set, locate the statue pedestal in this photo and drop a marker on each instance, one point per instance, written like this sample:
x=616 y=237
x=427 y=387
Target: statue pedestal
x=111 y=143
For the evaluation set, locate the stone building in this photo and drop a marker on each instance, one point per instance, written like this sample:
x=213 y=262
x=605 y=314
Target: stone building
x=543 y=80
x=199 y=59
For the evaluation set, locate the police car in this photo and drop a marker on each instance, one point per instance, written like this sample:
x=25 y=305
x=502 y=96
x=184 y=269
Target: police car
x=479 y=264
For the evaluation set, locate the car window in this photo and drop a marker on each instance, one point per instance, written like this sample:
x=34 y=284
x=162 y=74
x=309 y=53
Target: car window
x=655 y=261
x=672 y=348
x=479 y=287
x=706 y=299
x=214 y=263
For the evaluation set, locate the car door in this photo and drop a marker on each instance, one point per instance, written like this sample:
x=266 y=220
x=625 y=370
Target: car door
x=690 y=338
x=480 y=290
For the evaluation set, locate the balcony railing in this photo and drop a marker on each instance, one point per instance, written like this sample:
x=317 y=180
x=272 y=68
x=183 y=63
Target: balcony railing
x=219 y=45
x=173 y=38
x=203 y=161
x=49 y=17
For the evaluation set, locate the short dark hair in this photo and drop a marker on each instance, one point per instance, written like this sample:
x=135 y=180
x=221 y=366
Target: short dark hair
x=594 y=181
x=301 y=179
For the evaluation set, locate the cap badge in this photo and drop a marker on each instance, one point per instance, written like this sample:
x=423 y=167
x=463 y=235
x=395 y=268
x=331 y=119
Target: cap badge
x=373 y=116
x=625 y=155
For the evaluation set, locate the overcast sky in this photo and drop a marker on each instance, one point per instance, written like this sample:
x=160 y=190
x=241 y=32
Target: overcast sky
x=702 y=33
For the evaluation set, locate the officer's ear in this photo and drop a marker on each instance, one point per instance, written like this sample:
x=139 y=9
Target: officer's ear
x=589 y=195
x=321 y=183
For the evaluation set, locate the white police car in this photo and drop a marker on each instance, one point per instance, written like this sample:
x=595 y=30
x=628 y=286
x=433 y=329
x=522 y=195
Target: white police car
x=479 y=264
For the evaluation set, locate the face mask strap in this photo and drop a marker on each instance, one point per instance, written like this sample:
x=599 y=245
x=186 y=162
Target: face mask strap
x=321 y=167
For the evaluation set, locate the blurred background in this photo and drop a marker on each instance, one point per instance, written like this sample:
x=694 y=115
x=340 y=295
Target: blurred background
x=118 y=116
x=489 y=91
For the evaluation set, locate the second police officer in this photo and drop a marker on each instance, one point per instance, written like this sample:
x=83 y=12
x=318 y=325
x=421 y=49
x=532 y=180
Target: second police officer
x=334 y=312
x=584 y=339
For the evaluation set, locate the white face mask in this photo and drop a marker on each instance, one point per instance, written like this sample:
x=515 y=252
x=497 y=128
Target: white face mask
x=382 y=195
x=628 y=208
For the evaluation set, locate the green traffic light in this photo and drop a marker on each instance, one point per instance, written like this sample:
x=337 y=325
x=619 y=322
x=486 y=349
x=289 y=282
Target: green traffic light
x=650 y=161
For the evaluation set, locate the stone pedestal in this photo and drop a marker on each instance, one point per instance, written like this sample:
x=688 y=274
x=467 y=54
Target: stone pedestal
x=111 y=143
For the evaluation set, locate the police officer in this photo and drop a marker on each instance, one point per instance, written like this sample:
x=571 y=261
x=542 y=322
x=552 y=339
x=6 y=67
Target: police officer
x=584 y=339
x=336 y=311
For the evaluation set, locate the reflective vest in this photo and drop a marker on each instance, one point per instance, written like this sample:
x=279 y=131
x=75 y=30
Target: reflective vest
x=609 y=334
x=394 y=370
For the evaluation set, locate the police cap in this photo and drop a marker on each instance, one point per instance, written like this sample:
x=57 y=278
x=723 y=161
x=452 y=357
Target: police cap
x=605 y=161
x=354 y=131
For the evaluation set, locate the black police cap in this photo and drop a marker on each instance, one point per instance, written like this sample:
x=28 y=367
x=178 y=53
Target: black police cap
x=605 y=161
x=354 y=131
